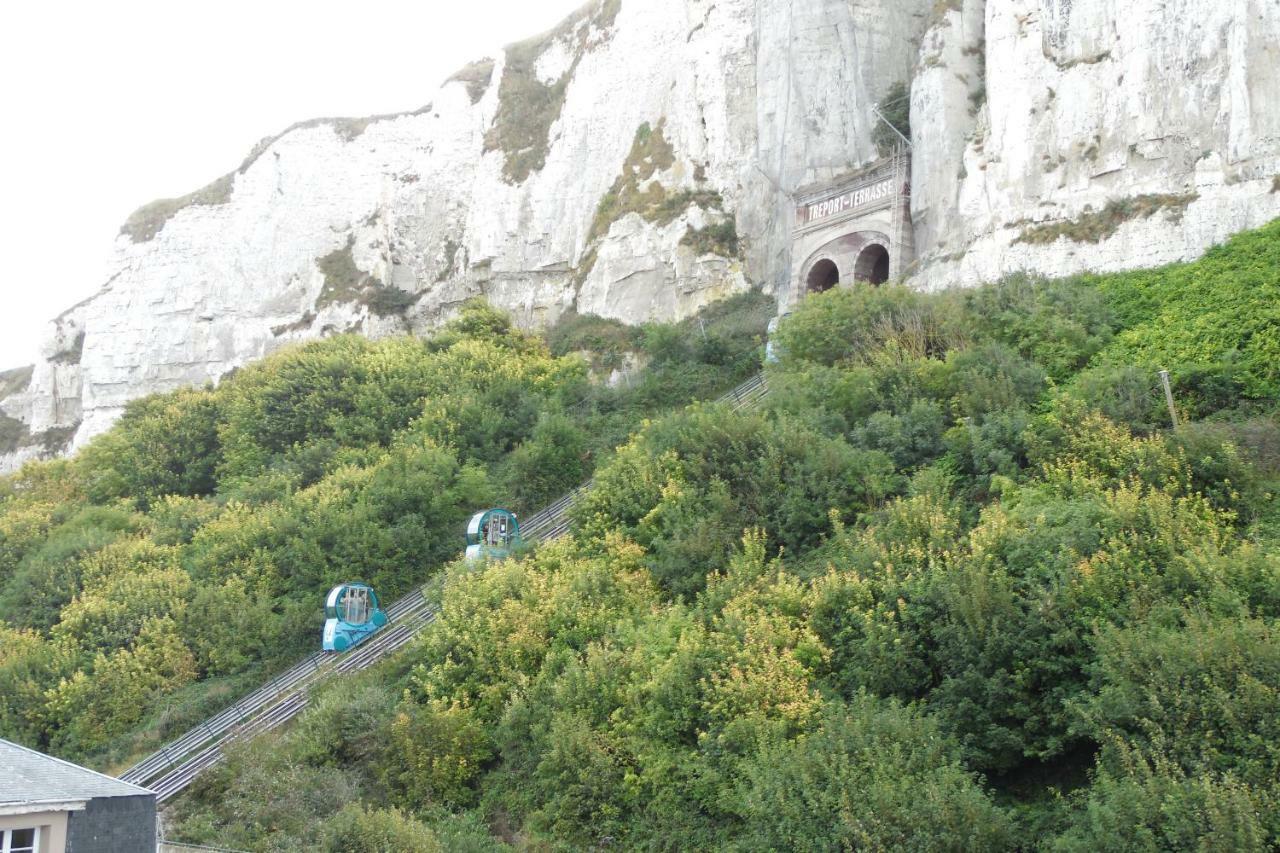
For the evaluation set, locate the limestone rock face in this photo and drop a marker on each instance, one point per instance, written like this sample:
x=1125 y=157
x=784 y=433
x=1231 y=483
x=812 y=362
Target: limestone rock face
x=640 y=161
x=1148 y=129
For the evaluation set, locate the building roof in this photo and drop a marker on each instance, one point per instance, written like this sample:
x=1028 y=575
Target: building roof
x=28 y=776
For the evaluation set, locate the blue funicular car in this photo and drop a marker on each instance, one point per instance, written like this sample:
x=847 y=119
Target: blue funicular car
x=493 y=533
x=351 y=616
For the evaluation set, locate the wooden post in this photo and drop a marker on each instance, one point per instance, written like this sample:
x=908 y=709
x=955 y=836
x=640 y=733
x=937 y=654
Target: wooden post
x=1168 y=397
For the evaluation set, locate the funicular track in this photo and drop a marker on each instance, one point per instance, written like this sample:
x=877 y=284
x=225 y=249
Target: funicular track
x=170 y=769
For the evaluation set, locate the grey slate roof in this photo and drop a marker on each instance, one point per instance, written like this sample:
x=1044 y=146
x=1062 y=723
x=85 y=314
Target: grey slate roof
x=27 y=776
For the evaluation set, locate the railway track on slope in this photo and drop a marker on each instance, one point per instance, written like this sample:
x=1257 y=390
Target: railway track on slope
x=170 y=769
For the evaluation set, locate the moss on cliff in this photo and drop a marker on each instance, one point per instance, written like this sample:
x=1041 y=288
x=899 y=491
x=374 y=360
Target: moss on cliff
x=346 y=283
x=1096 y=226
x=13 y=434
x=527 y=106
x=450 y=268
x=476 y=76
x=720 y=238
x=636 y=191
x=73 y=353
x=147 y=221
x=15 y=381
x=650 y=154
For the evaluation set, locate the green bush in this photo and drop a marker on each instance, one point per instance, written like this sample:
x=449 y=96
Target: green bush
x=958 y=546
x=854 y=324
x=1060 y=324
x=1201 y=694
x=440 y=752
x=686 y=483
x=1188 y=316
x=873 y=775
x=1152 y=808
x=357 y=829
x=554 y=460
x=49 y=576
x=163 y=445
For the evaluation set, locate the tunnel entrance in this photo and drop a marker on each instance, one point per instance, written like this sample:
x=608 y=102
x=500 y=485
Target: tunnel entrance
x=855 y=229
x=872 y=265
x=823 y=276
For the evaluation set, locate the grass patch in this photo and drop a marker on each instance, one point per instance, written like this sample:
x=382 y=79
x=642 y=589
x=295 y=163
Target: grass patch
x=1094 y=227
x=695 y=359
x=172 y=716
x=718 y=239
x=606 y=341
x=584 y=267
x=15 y=381
x=1087 y=60
x=528 y=107
x=298 y=325
x=56 y=439
x=13 y=434
x=636 y=191
x=149 y=220
x=940 y=9
x=344 y=283
x=476 y=77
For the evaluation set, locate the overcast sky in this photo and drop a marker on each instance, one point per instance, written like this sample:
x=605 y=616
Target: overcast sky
x=109 y=105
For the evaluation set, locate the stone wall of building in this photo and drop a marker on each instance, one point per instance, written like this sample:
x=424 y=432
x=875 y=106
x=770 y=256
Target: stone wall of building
x=115 y=824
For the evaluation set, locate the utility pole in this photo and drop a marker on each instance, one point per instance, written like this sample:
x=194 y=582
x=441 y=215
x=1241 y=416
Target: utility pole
x=1168 y=397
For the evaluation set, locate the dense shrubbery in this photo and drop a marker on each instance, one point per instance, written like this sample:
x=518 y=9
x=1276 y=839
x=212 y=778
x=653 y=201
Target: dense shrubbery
x=1223 y=310
x=985 y=600
x=191 y=544
x=956 y=586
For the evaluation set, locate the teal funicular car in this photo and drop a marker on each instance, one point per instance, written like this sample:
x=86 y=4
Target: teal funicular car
x=351 y=615
x=492 y=534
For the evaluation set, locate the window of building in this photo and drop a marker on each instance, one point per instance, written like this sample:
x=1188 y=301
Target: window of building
x=19 y=840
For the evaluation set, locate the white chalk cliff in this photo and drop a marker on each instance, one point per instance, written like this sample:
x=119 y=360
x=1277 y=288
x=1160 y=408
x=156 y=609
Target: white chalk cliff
x=640 y=161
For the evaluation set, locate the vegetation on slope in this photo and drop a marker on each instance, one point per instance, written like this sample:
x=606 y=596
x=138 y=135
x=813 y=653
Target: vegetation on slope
x=957 y=586
x=1096 y=226
x=183 y=554
x=528 y=106
x=932 y=598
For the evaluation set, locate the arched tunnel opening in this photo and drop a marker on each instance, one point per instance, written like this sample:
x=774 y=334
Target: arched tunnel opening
x=824 y=275
x=872 y=265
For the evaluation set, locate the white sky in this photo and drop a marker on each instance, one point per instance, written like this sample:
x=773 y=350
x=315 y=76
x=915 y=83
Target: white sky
x=109 y=105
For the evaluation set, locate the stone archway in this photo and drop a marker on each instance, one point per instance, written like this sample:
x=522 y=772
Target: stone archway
x=823 y=275
x=859 y=223
x=872 y=265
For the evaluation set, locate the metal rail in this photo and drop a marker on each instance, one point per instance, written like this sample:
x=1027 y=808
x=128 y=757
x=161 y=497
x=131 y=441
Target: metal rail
x=174 y=766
